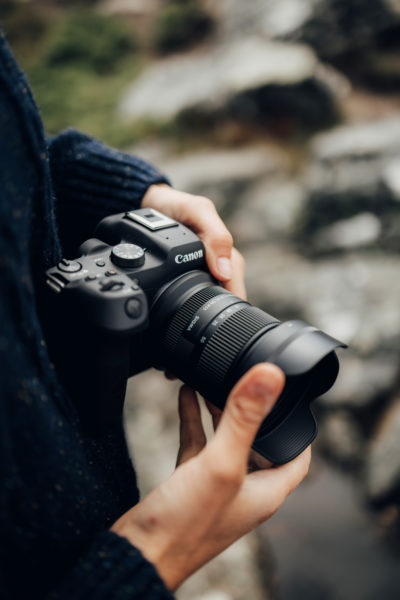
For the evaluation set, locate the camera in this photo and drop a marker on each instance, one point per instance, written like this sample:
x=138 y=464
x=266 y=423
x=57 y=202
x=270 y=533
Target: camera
x=140 y=295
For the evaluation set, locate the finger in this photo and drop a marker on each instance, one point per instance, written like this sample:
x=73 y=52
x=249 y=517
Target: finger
x=248 y=404
x=215 y=413
x=276 y=484
x=192 y=436
x=168 y=375
x=201 y=216
x=236 y=284
x=257 y=462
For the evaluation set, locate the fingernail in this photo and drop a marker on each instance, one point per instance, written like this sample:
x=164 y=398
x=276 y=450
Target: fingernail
x=224 y=267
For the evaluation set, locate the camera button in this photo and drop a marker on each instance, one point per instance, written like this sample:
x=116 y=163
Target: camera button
x=112 y=286
x=69 y=266
x=100 y=262
x=133 y=308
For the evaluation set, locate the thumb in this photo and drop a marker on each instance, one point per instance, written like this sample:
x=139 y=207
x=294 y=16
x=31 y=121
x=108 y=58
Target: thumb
x=250 y=401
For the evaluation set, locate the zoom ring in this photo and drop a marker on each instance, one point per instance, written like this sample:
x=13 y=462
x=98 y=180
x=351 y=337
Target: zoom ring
x=228 y=340
x=185 y=313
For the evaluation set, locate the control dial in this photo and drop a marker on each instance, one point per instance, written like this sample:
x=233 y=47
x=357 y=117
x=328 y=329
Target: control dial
x=127 y=255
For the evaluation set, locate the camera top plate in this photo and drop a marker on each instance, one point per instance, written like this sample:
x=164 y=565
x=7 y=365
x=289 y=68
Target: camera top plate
x=151 y=218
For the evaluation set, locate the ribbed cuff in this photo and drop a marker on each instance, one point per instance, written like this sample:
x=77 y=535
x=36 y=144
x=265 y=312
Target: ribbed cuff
x=86 y=172
x=92 y=181
x=112 y=568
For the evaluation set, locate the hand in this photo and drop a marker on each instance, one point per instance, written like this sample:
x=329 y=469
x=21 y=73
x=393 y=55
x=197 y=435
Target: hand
x=211 y=500
x=200 y=215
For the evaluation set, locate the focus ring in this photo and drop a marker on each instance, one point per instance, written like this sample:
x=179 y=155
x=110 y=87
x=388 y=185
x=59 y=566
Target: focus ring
x=185 y=313
x=228 y=340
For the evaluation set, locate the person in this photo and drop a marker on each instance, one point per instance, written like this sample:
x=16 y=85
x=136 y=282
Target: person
x=71 y=522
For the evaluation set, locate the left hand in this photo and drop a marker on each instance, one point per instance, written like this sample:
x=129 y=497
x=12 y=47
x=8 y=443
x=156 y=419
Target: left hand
x=200 y=215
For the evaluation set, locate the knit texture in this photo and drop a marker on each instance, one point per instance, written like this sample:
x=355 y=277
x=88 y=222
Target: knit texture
x=60 y=489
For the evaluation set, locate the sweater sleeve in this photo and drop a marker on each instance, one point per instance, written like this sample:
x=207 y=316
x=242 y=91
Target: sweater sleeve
x=91 y=181
x=112 y=568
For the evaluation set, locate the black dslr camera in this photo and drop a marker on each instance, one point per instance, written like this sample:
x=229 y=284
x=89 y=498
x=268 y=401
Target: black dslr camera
x=140 y=295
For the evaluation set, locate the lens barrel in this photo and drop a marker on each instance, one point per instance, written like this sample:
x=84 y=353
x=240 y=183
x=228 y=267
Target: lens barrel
x=209 y=338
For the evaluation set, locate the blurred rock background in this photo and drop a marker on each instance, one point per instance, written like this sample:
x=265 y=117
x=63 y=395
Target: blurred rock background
x=287 y=114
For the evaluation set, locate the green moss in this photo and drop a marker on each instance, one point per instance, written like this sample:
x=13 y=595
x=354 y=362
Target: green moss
x=75 y=97
x=90 y=40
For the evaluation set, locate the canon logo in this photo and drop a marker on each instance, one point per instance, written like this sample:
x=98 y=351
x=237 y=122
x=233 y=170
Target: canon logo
x=183 y=258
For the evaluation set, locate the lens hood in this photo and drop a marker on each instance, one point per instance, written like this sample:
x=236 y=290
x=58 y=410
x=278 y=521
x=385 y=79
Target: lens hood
x=306 y=356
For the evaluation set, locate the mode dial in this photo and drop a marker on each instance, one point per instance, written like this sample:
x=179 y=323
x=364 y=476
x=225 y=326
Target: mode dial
x=127 y=255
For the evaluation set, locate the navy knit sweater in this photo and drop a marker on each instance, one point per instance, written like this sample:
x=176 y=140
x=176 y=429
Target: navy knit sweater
x=60 y=490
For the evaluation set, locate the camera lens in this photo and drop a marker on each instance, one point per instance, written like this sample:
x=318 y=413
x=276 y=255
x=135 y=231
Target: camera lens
x=209 y=338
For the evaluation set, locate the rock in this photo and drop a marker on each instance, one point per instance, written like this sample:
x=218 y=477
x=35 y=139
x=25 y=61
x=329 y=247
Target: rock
x=339 y=27
x=347 y=170
x=248 y=78
x=339 y=435
x=327 y=545
x=128 y=7
x=391 y=178
x=361 y=230
x=269 y=210
x=358 y=141
x=383 y=458
x=285 y=18
x=221 y=174
x=351 y=297
x=362 y=381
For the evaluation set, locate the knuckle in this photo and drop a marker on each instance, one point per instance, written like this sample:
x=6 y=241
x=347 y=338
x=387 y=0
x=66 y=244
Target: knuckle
x=223 y=239
x=223 y=472
x=206 y=203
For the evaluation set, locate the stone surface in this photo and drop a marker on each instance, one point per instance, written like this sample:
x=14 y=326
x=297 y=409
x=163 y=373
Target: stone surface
x=363 y=381
x=226 y=80
x=359 y=140
x=383 y=459
x=285 y=18
x=326 y=544
x=339 y=27
x=352 y=297
x=361 y=230
x=339 y=435
x=348 y=171
x=270 y=209
x=216 y=172
x=128 y=7
x=391 y=178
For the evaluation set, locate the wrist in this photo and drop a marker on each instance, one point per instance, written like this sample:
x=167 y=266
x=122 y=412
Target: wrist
x=154 y=548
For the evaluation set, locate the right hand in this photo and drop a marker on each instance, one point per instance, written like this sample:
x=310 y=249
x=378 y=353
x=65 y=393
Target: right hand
x=211 y=500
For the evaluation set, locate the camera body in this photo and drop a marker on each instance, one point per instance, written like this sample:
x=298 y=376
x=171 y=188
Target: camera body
x=140 y=295
x=118 y=274
x=96 y=309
